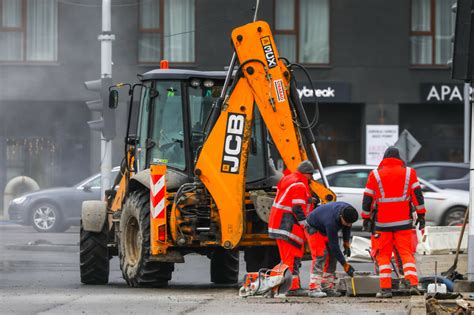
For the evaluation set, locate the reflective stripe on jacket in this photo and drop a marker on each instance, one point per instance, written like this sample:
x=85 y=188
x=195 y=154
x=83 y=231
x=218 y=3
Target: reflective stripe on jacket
x=289 y=209
x=391 y=189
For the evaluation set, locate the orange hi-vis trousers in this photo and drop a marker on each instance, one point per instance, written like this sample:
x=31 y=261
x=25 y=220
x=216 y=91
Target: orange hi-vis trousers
x=403 y=242
x=291 y=256
x=323 y=267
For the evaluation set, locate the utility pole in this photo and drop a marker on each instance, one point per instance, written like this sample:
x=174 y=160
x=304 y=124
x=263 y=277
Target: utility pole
x=106 y=39
x=470 y=241
x=463 y=69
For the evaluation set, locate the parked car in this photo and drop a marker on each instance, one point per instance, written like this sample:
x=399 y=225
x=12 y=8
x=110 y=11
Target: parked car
x=55 y=209
x=444 y=174
x=444 y=206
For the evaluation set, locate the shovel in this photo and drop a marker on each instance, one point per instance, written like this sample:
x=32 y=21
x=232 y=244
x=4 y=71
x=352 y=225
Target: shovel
x=451 y=272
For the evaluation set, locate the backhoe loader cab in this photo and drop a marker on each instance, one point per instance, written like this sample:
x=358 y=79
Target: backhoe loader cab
x=171 y=124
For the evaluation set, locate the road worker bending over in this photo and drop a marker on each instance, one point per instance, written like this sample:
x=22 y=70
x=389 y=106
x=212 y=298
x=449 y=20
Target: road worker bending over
x=323 y=225
x=287 y=220
x=391 y=192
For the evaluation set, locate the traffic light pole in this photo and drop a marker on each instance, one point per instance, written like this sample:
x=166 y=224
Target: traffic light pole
x=470 y=240
x=106 y=39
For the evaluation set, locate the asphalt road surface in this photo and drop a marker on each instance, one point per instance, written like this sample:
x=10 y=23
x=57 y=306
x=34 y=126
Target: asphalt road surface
x=39 y=274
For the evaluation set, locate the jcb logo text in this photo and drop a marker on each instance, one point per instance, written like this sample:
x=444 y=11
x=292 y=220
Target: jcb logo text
x=233 y=143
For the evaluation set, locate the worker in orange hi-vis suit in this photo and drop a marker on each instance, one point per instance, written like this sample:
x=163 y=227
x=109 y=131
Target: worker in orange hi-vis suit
x=287 y=219
x=390 y=192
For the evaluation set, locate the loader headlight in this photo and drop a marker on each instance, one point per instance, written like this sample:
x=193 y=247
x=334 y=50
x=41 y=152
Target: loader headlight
x=19 y=200
x=195 y=83
x=208 y=83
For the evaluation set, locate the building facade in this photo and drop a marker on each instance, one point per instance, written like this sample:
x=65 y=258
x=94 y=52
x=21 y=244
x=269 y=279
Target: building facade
x=373 y=63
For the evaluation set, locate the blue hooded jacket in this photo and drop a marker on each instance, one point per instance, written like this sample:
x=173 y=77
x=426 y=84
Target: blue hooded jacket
x=326 y=220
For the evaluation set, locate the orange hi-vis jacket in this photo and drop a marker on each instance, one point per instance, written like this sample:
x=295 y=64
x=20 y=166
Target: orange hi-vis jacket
x=390 y=190
x=289 y=209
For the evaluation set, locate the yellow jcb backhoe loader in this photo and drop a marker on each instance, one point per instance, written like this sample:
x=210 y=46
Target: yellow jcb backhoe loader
x=197 y=176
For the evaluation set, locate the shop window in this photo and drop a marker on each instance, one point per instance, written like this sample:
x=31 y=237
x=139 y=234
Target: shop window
x=432 y=25
x=166 y=31
x=28 y=30
x=440 y=134
x=302 y=30
x=35 y=157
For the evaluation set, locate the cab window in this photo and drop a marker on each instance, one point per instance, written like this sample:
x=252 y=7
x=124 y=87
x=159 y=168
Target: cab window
x=167 y=133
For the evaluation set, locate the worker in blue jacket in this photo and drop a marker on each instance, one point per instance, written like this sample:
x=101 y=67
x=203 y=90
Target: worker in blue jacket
x=323 y=225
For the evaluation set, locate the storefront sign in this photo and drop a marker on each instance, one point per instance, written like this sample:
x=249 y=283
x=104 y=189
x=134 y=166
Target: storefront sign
x=442 y=93
x=379 y=138
x=327 y=92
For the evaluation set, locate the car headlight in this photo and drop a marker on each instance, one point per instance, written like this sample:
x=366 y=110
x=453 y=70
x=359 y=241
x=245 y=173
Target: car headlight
x=19 y=200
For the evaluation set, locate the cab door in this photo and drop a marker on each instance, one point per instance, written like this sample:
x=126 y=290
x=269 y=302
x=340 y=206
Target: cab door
x=142 y=130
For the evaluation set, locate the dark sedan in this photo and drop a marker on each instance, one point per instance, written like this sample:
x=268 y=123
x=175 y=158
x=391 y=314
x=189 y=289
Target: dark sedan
x=446 y=175
x=55 y=209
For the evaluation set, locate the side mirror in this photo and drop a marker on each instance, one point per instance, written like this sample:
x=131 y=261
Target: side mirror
x=153 y=93
x=132 y=140
x=113 y=98
x=87 y=188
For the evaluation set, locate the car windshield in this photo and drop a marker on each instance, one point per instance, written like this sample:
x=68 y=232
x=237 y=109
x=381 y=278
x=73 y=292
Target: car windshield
x=94 y=180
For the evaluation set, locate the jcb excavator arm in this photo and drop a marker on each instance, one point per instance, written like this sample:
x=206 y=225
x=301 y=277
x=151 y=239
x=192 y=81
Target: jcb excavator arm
x=264 y=80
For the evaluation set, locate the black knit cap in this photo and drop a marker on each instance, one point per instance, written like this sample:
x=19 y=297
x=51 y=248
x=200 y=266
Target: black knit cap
x=392 y=152
x=306 y=167
x=349 y=214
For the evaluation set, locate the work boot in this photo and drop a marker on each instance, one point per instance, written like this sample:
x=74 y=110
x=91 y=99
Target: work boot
x=316 y=293
x=384 y=294
x=332 y=293
x=414 y=290
x=297 y=292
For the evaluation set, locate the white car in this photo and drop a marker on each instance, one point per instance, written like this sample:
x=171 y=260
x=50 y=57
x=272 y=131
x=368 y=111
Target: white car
x=443 y=206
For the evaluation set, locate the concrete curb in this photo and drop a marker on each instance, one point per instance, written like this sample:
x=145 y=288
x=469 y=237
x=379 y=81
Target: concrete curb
x=417 y=305
x=46 y=248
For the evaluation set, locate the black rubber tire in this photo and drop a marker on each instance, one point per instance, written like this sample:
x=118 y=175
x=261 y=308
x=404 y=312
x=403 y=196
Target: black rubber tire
x=135 y=260
x=258 y=257
x=224 y=266
x=447 y=217
x=63 y=228
x=94 y=256
x=53 y=211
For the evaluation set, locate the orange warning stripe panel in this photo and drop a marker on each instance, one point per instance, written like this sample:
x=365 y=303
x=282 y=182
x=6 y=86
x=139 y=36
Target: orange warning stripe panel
x=158 y=204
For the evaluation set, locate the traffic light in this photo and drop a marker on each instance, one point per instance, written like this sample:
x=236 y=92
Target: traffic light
x=106 y=124
x=463 y=52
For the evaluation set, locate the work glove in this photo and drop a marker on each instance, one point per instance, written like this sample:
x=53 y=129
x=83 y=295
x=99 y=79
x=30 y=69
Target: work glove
x=313 y=201
x=349 y=269
x=420 y=221
x=347 y=249
x=367 y=225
